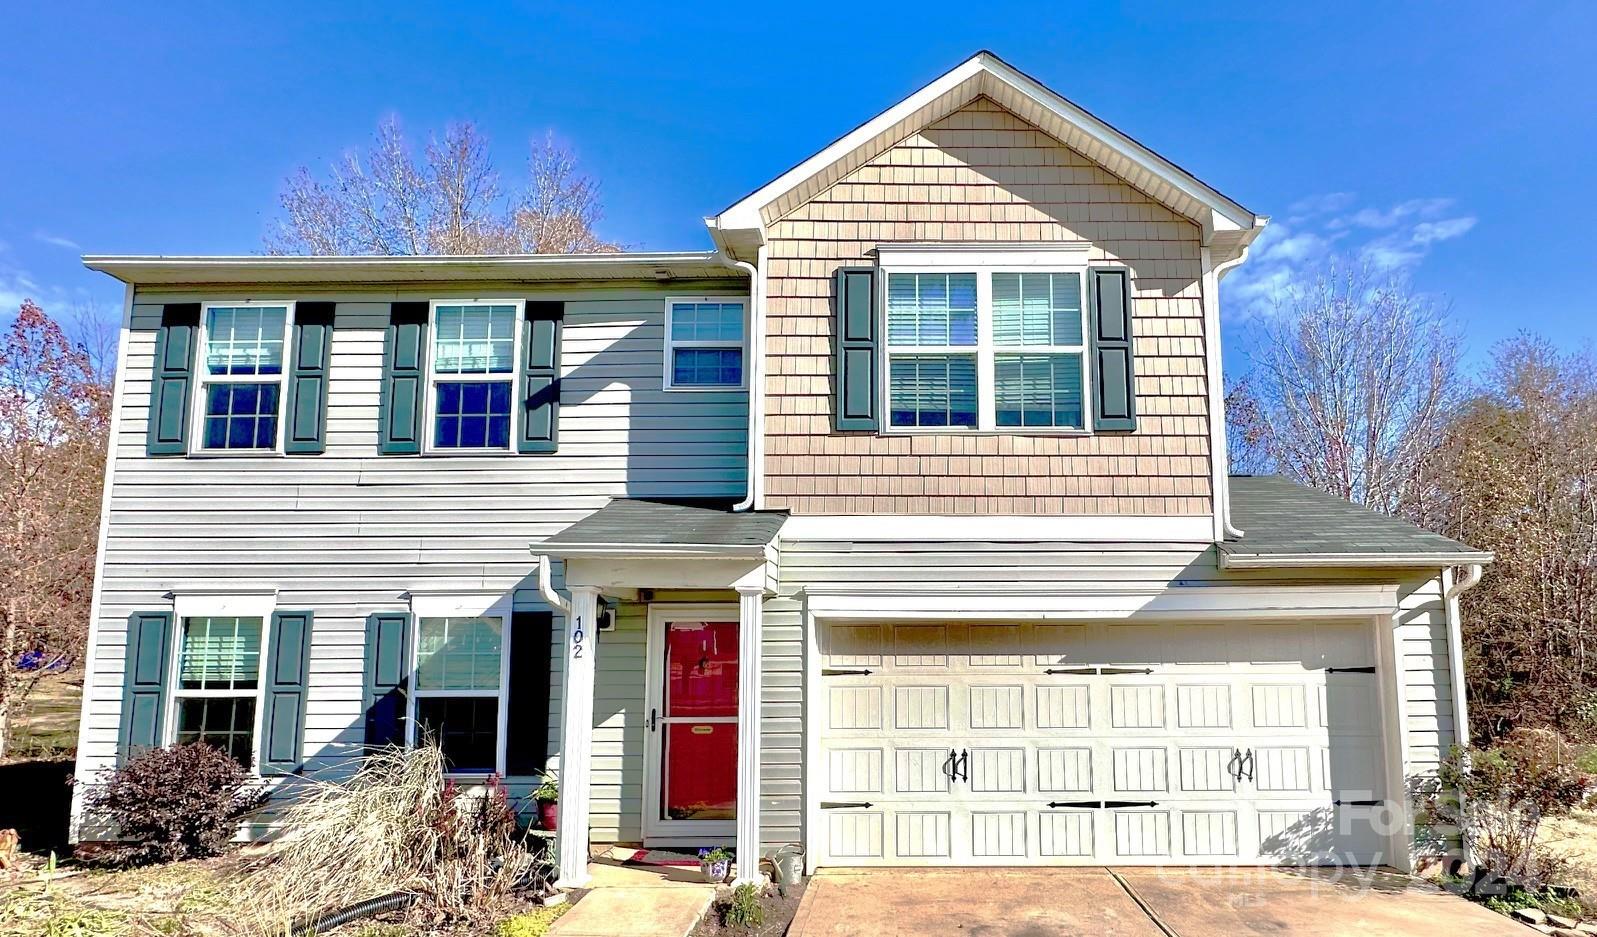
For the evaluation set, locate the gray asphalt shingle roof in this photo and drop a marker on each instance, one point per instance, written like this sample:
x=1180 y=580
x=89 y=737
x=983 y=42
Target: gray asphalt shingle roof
x=664 y=526
x=1281 y=519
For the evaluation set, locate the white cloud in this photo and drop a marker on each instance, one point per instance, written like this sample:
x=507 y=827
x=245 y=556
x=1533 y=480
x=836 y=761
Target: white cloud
x=54 y=240
x=1387 y=238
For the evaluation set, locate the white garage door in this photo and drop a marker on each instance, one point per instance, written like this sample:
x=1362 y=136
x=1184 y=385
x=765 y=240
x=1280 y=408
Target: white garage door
x=1015 y=744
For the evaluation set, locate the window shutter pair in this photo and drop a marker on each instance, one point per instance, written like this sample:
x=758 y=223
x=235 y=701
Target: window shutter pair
x=402 y=406
x=388 y=637
x=152 y=640
x=855 y=400
x=171 y=381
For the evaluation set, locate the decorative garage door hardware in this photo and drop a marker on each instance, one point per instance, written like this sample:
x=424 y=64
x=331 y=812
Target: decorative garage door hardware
x=1350 y=670
x=834 y=672
x=956 y=767
x=1241 y=765
x=844 y=804
x=1102 y=804
x=1097 y=671
x=1356 y=803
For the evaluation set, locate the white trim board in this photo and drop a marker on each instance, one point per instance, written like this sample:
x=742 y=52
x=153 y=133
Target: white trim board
x=1186 y=603
x=1122 y=528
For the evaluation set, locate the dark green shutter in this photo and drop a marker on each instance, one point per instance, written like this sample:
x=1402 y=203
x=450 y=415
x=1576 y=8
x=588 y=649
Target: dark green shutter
x=288 y=654
x=856 y=360
x=401 y=408
x=387 y=677
x=149 y=653
x=527 y=732
x=171 y=379
x=306 y=409
x=540 y=403
x=1114 y=401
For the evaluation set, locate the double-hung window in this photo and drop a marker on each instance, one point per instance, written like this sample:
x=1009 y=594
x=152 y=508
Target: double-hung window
x=459 y=689
x=241 y=376
x=474 y=376
x=218 y=683
x=704 y=344
x=978 y=344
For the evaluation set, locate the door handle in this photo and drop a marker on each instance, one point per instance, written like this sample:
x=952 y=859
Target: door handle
x=654 y=720
x=1234 y=766
x=951 y=766
x=964 y=759
x=1247 y=764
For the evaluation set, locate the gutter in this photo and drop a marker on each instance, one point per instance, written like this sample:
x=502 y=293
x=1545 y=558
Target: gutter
x=546 y=586
x=1350 y=560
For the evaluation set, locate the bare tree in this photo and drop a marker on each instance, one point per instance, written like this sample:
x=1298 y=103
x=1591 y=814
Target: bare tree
x=1350 y=388
x=54 y=417
x=388 y=201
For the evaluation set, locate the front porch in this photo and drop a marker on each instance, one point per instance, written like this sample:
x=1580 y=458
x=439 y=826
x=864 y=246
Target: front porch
x=686 y=586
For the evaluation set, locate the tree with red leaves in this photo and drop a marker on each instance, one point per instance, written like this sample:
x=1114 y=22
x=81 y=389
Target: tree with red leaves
x=54 y=423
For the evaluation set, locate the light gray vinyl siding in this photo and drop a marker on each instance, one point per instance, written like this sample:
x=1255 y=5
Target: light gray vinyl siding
x=349 y=532
x=1425 y=673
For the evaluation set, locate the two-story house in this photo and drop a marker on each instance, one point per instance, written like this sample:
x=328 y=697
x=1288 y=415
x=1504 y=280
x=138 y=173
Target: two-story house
x=897 y=526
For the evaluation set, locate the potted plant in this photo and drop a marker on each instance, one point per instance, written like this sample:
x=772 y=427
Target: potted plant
x=715 y=863
x=548 y=797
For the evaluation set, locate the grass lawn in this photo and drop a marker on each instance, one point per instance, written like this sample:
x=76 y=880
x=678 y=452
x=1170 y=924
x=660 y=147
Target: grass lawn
x=46 y=729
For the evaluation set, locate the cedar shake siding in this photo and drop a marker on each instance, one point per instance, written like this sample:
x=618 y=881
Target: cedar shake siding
x=983 y=175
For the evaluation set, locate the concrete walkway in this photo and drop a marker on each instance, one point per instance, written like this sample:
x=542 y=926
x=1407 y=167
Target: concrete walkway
x=627 y=901
x=1134 y=903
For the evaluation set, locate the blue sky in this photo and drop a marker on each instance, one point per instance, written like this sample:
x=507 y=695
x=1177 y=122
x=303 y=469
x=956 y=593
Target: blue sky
x=1452 y=141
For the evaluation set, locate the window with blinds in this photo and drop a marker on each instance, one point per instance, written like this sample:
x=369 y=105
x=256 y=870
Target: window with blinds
x=219 y=674
x=988 y=349
x=460 y=689
x=474 y=376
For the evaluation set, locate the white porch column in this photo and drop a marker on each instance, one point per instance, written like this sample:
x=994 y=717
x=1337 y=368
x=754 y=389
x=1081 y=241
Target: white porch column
x=750 y=625
x=576 y=735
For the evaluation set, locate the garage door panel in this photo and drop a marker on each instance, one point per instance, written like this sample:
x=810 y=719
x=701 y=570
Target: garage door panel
x=1227 y=743
x=1064 y=707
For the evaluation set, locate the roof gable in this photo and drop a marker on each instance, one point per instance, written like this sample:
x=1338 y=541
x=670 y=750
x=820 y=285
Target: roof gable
x=1227 y=226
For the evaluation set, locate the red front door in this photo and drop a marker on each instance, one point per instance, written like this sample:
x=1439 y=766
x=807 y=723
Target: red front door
x=698 y=710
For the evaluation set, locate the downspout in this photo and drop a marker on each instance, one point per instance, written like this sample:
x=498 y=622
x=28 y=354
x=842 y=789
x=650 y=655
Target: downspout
x=546 y=587
x=1218 y=473
x=1455 y=655
x=1455 y=644
x=756 y=373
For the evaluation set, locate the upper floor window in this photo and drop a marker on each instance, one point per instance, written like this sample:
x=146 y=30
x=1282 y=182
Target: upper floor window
x=474 y=375
x=985 y=349
x=241 y=375
x=704 y=344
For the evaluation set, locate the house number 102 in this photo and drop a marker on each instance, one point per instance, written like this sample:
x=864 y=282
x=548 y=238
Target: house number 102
x=577 y=637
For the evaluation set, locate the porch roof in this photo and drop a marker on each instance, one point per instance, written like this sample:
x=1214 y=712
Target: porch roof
x=639 y=526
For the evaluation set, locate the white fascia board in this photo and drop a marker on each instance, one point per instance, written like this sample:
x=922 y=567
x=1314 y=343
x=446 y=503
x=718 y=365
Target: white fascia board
x=746 y=212
x=1197 y=529
x=995 y=254
x=1229 y=560
x=1226 y=213
x=212 y=602
x=160 y=269
x=1177 y=603
x=644 y=551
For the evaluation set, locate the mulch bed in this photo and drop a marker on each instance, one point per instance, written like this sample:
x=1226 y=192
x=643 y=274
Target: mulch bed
x=779 y=910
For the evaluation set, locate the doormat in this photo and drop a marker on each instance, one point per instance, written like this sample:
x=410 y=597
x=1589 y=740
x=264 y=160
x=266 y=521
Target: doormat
x=672 y=857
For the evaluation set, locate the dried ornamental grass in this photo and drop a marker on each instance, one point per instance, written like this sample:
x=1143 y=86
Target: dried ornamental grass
x=397 y=825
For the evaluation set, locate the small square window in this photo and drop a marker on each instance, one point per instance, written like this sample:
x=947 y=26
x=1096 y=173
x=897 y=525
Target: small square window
x=704 y=344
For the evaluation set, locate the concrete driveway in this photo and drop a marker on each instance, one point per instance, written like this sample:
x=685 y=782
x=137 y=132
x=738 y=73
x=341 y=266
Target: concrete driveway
x=1134 y=903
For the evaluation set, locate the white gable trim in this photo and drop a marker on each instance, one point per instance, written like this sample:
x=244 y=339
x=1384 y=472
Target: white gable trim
x=986 y=74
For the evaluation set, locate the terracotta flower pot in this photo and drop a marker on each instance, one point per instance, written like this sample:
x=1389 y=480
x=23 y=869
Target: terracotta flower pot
x=548 y=813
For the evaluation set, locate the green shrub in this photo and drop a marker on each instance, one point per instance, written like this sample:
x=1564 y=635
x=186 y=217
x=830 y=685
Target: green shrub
x=1500 y=795
x=176 y=802
x=743 y=909
x=1520 y=898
